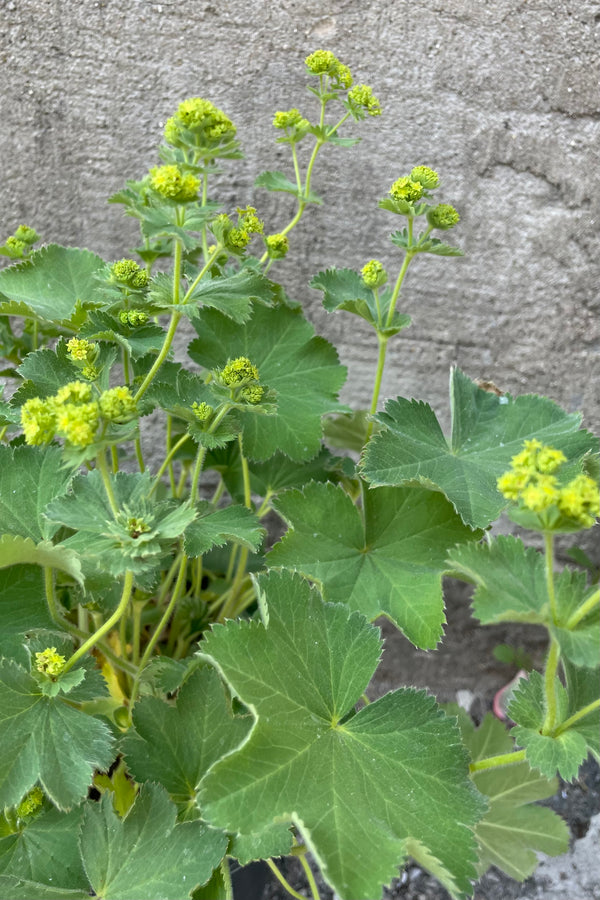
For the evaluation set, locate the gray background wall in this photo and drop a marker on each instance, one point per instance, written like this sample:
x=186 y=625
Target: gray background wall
x=501 y=97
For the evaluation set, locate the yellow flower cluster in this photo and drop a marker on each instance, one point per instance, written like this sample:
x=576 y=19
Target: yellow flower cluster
x=362 y=96
x=128 y=272
x=49 y=662
x=200 y=117
x=173 y=184
x=238 y=371
x=407 y=189
x=373 y=274
x=74 y=414
x=291 y=118
x=531 y=480
x=324 y=62
x=443 y=216
x=202 y=411
x=81 y=350
x=277 y=245
x=31 y=803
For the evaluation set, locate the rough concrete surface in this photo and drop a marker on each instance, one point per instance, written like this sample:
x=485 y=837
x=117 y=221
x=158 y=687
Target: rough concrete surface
x=500 y=96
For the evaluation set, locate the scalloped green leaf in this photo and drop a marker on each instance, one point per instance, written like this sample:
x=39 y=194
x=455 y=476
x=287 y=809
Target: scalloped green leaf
x=23 y=605
x=513 y=830
x=175 y=744
x=45 y=739
x=512 y=587
x=309 y=762
x=390 y=564
x=277 y=181
x=44 y=857
x=215 y=527
x=232 y=295
x=51 y=283
x=302 y=369
x=16 y=550
x=137 y=341
x=487 y=431
x=146 y=854
x=563 y=752
x=345 y=289
x=45 y=371
x=30 y=477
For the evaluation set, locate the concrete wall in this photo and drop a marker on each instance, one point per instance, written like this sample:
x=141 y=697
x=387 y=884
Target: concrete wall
x=501 y=97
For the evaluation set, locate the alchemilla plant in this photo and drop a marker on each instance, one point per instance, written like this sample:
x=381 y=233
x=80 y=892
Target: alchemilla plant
x=177 y=690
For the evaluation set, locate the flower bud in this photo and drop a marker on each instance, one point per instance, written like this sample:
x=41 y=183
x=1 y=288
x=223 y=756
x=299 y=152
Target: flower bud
x=173 y=184
x=277 y=245
x=442 y=216
x=374 y=275
x=425 y=176
x=238 y=371
x=117 y=404
x=49 y=662
x=406 y=189
x=362 y=96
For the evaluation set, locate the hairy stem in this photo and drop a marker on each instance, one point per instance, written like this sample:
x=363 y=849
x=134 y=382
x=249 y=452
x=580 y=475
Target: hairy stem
x=103 y=469
x=550 y=687
x=585 y=609
x=107 y=626
x=283 y=881
x=580 y=714
x=503 y=759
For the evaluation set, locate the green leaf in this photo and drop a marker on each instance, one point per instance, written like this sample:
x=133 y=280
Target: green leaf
x=22 y=604
x=30 y=477
x=512 y=587
x=232 y=295
x=391 y=565
x=146 y=854
x=277 y=181
x=175 y=745
x=307 y=763
x=45 y=739
x=277 y=474
x=215 y=527
x=512 y=831
x=302 y=369
x=45 y=371
x=45 y=856
x=345 y=289
x=137 y=341
x=50 y=283
x=564 y=752
x=116 y=547
x=583 y=687
x=487 y=431
x=16 y=550
x=349 y=431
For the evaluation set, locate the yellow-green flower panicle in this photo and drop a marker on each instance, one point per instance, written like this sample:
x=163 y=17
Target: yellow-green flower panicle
x=425 y=176
x=373 y=274
x=129 y=273
x=49 y=662
x=277 y=246
x=249 y=221
x=407 y=189
x=31 y=803
x=324 y=62
x=361 y=97
x=133 y=317
x=239 y=371
x=532 y=483
x=201 y=117
x=38 y=421
x=118 y=405
x=442 y=216
x=580 y=500
x=253 y=394
x=78 y=422
x=80 y=350
x=202 y=411
x=173 y=184
x=26 y=234
x=291 y=118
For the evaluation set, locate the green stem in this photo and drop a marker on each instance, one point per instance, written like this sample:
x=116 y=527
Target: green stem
x=138 y=606
x=204 y=200
x=296 y=167
x=226 y=876
x=339 y=125
x=586 y=607
x=114 y=458
x=167 y=462
x=160 y=627
x=175 y=319
x=310 y=877
x=280 y=878
x=229 y=605
x=504 y=759
x=107 y=626
x=383 y=341
x=549 y=563
x=394 y=298
x=126 y=369
x=50 y=595
x=202 y=452
x=202 y=273
x=169 y=457
x=550 y=687
x=138 y=453
x=568 y=723
x=103 y=469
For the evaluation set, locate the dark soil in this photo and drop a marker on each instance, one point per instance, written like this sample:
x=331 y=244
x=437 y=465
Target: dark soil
x=464 y=669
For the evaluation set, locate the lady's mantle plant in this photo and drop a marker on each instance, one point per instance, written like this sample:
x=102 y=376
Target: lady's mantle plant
x=173 y=695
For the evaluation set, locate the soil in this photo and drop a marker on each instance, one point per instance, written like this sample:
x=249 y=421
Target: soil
x=464 y=669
